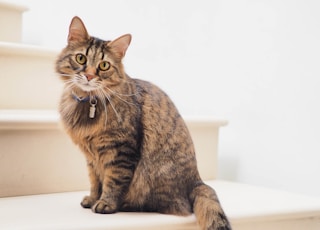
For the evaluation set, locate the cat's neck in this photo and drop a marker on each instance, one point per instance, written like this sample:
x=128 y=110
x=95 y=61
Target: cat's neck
x=79 y=94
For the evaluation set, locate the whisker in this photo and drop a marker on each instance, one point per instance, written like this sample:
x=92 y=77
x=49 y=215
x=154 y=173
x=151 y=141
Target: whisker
x=66 y=75
x=72 y=82
x=109 y=99
x=69 y=84
x=118 y=96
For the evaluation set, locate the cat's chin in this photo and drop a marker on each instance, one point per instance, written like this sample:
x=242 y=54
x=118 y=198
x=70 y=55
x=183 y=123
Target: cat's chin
x=86 y=88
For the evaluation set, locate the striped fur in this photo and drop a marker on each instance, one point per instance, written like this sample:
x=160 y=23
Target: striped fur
x=139 y=152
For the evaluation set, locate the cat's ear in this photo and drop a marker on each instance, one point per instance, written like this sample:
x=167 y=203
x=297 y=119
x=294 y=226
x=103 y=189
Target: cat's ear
x=120 y=45
x=77 y=31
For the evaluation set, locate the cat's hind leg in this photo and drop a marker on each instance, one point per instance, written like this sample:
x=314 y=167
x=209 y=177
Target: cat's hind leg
x=175 y=206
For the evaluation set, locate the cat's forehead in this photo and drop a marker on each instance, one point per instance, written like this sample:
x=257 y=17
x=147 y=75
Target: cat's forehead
x=96 y=46
x=94 y=49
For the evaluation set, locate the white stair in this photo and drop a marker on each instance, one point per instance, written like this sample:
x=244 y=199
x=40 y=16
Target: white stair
x=28 y=80
x=27 y=77
x=11 y=22
x=38 y=157
x=249 y=208
x=43 y=175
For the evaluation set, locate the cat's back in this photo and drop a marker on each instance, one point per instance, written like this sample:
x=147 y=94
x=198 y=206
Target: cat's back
x=149 y=90
x=155 y=100
x=162 y=123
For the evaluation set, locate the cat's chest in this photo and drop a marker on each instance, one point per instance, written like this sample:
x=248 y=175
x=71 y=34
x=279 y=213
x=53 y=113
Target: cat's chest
x=86 y=122
x=80 y=113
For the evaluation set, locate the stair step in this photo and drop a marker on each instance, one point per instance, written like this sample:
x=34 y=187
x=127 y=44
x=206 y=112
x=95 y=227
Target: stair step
x=49 y=162
x=28 y=79
x=248 y=208
x=11 y=22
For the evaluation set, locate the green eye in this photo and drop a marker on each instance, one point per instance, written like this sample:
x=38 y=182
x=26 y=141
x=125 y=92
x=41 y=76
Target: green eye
x=81 y=59
x=104 y=65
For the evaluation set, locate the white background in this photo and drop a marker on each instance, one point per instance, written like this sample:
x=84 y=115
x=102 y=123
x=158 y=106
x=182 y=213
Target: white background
x=255 y=63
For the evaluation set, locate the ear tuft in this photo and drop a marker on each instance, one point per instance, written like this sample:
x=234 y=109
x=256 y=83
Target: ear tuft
x=120 y=45
x=77 y=31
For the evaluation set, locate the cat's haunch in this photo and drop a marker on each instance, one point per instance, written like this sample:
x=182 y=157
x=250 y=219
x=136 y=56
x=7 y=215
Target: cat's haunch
x=139 y=152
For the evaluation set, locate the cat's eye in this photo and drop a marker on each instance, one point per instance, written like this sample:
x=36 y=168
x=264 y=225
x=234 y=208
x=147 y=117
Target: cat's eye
x=81 y=59
x=104 y=65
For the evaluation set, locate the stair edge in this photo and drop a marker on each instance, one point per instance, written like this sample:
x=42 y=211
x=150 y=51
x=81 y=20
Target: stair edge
x=50 y=119
x=10 y=48
x=13 y=6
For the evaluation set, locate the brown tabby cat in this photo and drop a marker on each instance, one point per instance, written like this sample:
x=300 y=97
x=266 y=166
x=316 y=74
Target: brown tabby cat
x=138 y=149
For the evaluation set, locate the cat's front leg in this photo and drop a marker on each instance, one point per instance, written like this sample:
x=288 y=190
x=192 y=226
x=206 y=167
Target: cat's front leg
x=105 y=206
x=115 y=185
x=95 y=190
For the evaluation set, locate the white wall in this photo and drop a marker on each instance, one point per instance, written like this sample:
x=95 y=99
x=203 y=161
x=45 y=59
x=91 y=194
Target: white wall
x=255 y=63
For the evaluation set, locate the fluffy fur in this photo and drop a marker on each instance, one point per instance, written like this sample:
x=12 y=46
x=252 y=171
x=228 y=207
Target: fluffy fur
x=139 y=152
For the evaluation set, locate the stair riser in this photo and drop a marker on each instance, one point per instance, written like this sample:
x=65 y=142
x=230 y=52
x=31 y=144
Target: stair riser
x=46 y=161
x=11 y=22
x=28 y=82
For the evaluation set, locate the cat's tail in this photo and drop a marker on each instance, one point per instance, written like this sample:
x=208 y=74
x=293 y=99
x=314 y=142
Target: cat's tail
x=207 y=208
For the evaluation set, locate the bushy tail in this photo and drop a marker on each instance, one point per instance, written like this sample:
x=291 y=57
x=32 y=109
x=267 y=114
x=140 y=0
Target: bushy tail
x=207 y=209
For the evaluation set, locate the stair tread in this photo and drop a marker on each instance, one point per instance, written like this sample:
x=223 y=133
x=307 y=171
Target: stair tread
x=242 y=203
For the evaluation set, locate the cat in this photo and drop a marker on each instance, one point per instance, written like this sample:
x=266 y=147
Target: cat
x=139 y=152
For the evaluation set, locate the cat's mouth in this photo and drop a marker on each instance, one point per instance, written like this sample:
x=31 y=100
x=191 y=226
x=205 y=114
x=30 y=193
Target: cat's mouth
x=86 y=87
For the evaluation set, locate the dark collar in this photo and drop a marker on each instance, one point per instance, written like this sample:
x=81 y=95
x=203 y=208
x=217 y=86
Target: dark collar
x=80 y=99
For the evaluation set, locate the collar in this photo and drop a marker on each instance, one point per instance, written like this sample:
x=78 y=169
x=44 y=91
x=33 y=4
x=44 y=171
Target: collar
x=80 y=99
x=83 y=99
x=92 y=99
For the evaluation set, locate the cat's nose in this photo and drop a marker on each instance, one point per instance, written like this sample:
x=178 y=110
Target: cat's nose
x=90 y=73
x=90 y=76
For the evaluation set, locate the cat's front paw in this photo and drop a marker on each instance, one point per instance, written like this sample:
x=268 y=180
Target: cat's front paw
x=104 y=207
x=88 y=202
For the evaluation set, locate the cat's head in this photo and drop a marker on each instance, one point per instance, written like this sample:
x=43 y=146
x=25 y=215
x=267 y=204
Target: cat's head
x=88 y=63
